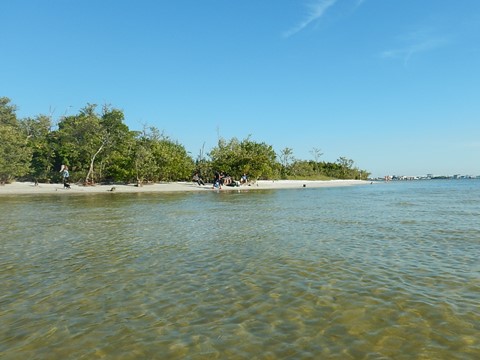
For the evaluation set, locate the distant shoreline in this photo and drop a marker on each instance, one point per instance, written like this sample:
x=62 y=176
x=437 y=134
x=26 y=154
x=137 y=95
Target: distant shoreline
x=29 y=188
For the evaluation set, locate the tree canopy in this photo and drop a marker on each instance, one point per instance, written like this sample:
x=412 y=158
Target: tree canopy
x=237 y=157
x=99 y=147
x=15 y=154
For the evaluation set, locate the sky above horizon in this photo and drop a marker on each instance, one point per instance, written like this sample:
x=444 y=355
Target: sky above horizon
x=392 y=84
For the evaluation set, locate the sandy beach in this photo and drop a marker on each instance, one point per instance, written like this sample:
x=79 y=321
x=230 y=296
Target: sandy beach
x=18 y=188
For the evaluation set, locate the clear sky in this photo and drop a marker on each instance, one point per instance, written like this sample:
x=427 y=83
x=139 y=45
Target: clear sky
x=392 y=84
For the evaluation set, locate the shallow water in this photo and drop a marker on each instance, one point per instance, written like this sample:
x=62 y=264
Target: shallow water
x=387 y=271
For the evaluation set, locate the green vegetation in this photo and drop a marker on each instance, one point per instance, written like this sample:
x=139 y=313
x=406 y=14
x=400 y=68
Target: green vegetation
x=99 y=148
x=15 y=152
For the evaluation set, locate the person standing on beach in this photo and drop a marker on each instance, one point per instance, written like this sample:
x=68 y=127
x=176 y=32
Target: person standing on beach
x=217 y=181
x=65 y=175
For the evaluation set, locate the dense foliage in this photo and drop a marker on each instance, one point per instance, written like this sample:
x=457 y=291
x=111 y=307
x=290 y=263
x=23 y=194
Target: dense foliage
x=98 y=147
x=236 y=157
x=15 y=154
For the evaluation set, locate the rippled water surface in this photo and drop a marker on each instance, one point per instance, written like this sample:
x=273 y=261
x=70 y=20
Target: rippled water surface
x=383 y=271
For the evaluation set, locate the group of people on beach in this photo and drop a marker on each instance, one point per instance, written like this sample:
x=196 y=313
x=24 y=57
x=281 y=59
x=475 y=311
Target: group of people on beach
x=221 y=179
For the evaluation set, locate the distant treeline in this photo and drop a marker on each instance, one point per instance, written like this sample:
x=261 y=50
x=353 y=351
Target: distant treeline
x=98 y=147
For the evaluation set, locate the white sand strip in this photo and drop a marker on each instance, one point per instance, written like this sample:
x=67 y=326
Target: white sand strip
x=18 y=188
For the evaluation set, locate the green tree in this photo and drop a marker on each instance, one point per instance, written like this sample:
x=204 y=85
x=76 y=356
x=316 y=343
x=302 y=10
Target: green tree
x=15 y=154
x=38 y=132
x=258 y=159
x=302 y=169
x=172 y=160
x=88 y=138
x=317 y=153
x=286 y=158
x=346 y=167
x=117 y=164
x=202 y=165
x=144 y=162
x=116 y=147
x=100 y=147
x=247 y=156
x=226 y=156
x=79 y=141
x=158 y=158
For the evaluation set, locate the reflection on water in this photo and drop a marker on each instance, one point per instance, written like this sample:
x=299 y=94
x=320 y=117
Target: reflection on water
x=388 y=271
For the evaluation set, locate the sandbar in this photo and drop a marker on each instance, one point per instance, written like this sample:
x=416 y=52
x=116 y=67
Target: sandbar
x=19 y=188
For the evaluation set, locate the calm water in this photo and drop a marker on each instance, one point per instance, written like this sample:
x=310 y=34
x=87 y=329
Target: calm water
x=383 y=271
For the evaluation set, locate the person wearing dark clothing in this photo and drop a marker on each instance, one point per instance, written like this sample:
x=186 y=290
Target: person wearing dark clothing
x=198 y=179
x=217 y=181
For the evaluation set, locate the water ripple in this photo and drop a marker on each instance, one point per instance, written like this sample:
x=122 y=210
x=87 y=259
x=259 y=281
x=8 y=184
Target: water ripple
x=351 y=273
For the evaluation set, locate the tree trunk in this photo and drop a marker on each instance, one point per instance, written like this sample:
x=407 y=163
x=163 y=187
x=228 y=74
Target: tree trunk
x=90 y=170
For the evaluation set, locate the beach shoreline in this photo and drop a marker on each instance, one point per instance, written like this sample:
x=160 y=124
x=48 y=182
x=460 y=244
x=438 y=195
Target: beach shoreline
x=29 y=188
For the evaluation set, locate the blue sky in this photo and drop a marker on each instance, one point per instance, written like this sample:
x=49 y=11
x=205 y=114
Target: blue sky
x=392 y=84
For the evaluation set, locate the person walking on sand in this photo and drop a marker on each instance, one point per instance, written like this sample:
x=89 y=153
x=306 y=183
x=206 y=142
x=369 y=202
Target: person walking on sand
x=65 y=175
